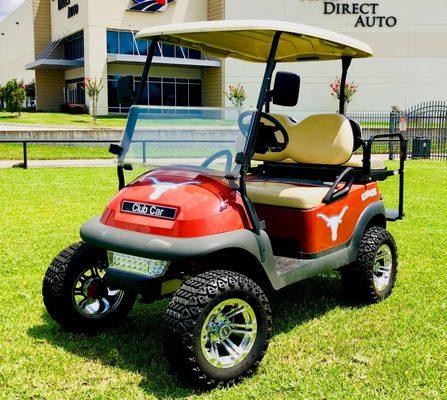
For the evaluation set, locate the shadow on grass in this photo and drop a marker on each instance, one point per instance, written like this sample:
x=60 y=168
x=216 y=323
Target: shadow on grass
x=136 y=345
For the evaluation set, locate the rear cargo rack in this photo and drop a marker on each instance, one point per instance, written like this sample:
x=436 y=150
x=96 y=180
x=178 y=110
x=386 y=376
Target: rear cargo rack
x=391 y=215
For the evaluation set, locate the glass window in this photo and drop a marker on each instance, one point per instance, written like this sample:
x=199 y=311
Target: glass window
x=168 y=93
x=126 y=43
x=195 y=95
x=182 y=94
x=155 y=93
x=113 y=93
x=74 y=46
x=157 y=49
x=181 y=52
x=195 y=54
x=142 y=47
x=168 y=50
x=112 y=42
x=145 y=98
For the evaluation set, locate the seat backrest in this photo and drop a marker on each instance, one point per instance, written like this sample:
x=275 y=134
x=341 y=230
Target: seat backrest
x=324 y=139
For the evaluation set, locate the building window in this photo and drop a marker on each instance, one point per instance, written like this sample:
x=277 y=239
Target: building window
x=74 y=92
x=175 y=92
x=124 y=42
x=112 y=42
x=74 y=46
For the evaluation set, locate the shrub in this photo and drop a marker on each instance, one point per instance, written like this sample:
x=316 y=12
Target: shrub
x=237 y=96
x=74 y=108
x=350 y=90
x=14 y=96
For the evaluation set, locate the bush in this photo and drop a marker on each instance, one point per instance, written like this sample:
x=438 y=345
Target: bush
x=14 y=96
x=74 y=108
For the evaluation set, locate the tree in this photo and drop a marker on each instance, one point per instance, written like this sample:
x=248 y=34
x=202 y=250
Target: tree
x=2 y=102
x=93 y=88
x=14 y=96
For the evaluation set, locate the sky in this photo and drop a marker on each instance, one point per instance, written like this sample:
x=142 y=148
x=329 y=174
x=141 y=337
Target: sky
x=7 y=6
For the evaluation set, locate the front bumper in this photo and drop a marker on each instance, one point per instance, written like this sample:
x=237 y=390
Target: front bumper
x=165 y=248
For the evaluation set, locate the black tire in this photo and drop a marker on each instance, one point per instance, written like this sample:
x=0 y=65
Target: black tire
x=187 y=313
x=59 y=283
x=358 y=279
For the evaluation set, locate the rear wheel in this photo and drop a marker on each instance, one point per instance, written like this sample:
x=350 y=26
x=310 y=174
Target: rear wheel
x=219 y=324
x=372 y=276
x=76 y=294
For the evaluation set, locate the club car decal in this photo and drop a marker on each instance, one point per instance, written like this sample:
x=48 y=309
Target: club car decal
x=334 y=222
x=148 y=210
x=151 y=6
x=162 y=187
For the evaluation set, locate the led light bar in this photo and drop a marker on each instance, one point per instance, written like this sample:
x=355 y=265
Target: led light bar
x=143 y=266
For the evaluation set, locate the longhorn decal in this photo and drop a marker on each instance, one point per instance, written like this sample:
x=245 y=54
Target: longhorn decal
x=334 y=222
x=162 y=187
x=151 y=6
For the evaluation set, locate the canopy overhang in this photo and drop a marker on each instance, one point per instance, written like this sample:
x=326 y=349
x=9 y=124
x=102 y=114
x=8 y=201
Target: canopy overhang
x=251 y=40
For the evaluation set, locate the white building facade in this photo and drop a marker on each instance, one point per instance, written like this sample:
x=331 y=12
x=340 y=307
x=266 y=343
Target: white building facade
x=60 y=43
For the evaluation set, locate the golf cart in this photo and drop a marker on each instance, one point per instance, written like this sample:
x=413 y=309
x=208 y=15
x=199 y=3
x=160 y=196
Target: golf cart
x=218 y=219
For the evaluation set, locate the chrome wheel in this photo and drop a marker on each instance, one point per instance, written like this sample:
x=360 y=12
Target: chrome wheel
x=229 y=333
x=91 y=296
x=383 y=266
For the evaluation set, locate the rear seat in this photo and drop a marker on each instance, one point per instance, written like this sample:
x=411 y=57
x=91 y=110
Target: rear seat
x=356 y=161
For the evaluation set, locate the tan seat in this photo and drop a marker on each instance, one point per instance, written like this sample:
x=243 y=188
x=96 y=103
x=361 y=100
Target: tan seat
x=286 y=195
x=325 y=139
x=356 y=161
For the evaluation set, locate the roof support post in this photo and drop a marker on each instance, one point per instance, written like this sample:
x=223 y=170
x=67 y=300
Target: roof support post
x=346 y=63
x=253 y=131
x=147 y=67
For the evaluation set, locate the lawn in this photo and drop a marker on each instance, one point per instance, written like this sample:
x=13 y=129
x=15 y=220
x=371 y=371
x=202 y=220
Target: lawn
x=86 y=121
x=10 y=151
x=60 y=119
x=322 y=348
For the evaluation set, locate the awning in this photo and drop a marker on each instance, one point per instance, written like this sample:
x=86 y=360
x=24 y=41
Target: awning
x=49 y=63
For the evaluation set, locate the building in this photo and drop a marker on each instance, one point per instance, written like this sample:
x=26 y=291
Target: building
x=59 y=43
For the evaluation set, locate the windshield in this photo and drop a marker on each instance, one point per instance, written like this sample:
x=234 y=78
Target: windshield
x=203 y=139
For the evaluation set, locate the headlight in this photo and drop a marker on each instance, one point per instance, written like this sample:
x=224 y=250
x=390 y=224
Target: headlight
x=143 y=266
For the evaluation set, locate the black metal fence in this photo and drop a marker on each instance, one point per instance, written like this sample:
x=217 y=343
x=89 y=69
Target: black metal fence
x=424 y=127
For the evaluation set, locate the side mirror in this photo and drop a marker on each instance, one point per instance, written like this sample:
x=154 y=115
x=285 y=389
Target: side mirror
x=286 y=90
x=126 y=93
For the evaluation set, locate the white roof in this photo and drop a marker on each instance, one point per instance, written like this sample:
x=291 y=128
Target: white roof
x=250 y=40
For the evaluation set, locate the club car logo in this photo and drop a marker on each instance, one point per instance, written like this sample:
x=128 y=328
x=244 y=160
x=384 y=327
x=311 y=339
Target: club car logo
x=149 y=210
x=151 y=6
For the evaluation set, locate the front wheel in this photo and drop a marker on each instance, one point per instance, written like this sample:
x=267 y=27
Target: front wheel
x=75 y=293
x=219 y=325
x=372 y=276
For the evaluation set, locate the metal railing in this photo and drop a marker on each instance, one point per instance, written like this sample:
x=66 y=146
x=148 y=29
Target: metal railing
x=25 y=143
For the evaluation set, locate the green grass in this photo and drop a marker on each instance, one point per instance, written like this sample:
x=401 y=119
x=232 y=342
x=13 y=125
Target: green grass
x=60 y=119
x=86 y=121
x=56 y=152
x=321 y=349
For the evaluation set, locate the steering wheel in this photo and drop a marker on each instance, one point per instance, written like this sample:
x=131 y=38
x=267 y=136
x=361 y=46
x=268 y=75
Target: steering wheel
x=269 y=143
x=219 y=154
